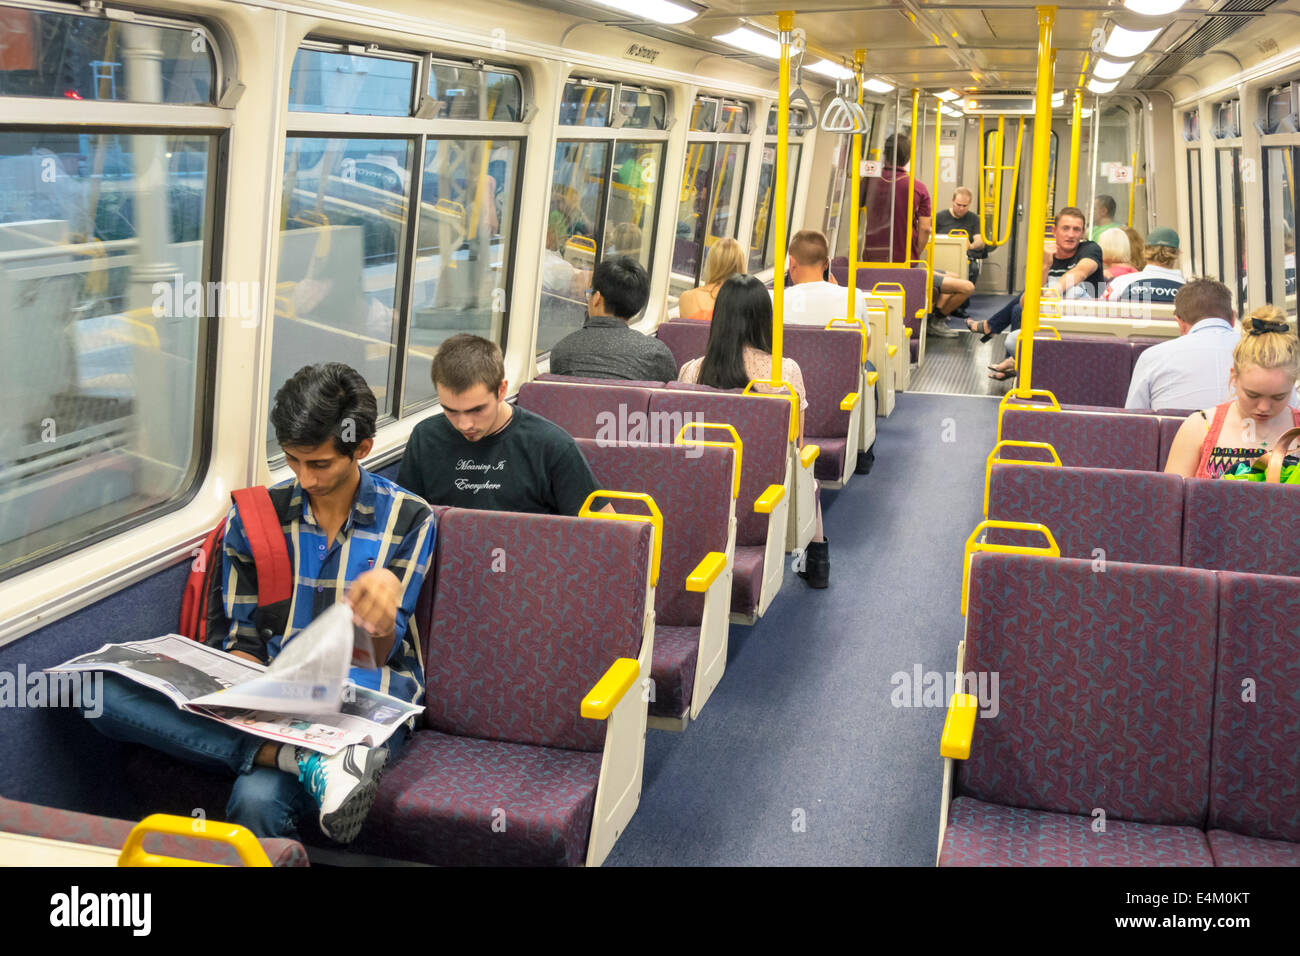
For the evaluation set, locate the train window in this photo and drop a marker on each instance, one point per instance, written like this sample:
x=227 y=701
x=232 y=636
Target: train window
x=692 y=214
x=468 y=202
x=1279 y=225
x=630 y=211
x=586 y=103
x=467 y=91
x=1192 y=126
x=89 y=57
x=762 y=253
x=642 y=109
x=734 y=117
x=104 y=245
x=800 y=114
x=1227 y=120
x=704 y=115
x=1280 y=109
x=1195 y=212
x=711 y=114
x=1232 y=250
x=334 y=81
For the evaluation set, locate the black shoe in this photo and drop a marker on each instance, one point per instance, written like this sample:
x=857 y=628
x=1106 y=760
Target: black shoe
x=865 y=460
x=817 y=565
x=959 y=313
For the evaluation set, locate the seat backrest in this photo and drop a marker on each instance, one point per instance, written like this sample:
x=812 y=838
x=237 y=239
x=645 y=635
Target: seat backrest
x=1246 y=526
x=911 y=279
x=1256 y=765
x=685 y=338
x=577 y=380
x=1104 y=687
x=1090 y=441
x=692 y=487
x=1132 y=516
x=528 y=613
x=1168 y=426
x=1094 y=371
x=763 y=425
x=587 y=411
x=830 y=361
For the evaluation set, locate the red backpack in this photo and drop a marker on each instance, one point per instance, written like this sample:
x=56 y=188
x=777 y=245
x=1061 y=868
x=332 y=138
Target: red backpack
x=203 y=615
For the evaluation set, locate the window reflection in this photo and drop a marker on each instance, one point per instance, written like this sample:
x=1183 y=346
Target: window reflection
x=1280 y=211
x=577 y=195
x=762 y=243
x=326 y=82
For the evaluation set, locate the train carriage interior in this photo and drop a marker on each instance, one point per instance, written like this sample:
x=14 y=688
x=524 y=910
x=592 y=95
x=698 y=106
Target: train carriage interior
x=1033 y=623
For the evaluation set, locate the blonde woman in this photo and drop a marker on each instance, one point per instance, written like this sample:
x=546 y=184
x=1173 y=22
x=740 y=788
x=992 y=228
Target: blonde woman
x=1265 y=366
x=726 y=259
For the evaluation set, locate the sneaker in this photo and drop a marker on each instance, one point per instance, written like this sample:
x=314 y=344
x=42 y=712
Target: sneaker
x=343 y=786
x=939 y=326
x=817 y=564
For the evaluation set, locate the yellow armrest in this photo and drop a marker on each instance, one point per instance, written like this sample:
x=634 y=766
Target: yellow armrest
x=849 y=401
x=893 y=350
x=609 y=690
x=871 y=378
x=808 y=454
x=959 y=728
x=907 y=331
x=134 y=854
x=769 y=499
x=920 y=313
x=706 y=572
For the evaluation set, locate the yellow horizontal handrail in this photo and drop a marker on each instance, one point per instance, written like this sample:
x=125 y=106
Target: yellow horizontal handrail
x=735 y=444
x=993 y=459
x=232 y=834
x=655 y=519
x=1052 y=550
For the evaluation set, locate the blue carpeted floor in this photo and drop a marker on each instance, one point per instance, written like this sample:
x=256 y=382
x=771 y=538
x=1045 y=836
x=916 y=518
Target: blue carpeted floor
x=802 y=728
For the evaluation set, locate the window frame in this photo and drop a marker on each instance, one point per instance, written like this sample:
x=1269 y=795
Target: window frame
x=1268 y=143
x=1238 y=289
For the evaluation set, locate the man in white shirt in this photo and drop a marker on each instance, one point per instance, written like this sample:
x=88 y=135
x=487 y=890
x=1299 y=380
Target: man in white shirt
x=1191 y=371
x=809 y=298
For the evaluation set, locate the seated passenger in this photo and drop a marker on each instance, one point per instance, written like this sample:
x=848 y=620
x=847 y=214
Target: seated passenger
x=605 y=347
x=1103 y=215
x=324 y=419
x=1068 y=262
x=1116 y=254
x=1191 y=371
x=1266 y=364
x=809 y=299
x=740 y=351
x=959 y=216
x=1160 y=279
x=484 y=453
x=1136 y=247
x=725 y=259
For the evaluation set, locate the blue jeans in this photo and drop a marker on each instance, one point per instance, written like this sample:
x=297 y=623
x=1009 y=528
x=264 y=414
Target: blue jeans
x=268 y=801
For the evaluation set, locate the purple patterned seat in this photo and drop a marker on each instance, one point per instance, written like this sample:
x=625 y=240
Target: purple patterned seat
x=88 y=829
x=692 y=487
x=989 y=834
x=511 y=653
x=1093 y=370
x=1133 y=516
x=763 y=425
x=1168 y=429
x=913 y=282
x=1241 y=526
x=1233 y=849
x=830 y=360
x=1106 y=686
x=686 y=339
x=586 y=411
x=1087 y=440
x=1255 y=776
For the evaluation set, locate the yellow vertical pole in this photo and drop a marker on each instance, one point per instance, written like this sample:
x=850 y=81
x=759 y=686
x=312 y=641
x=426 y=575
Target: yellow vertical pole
x=998 y=162
x=934 y=194
x=1132 y=182
x=984 y=226
x=1037 y=224
x=1076 y=141
x=859 y=61
x=785 y=23
x=911 y=172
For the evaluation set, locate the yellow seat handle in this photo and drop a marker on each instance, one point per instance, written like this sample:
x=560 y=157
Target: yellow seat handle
x=907 y=330
x=769 y=499
x=790 y=395
x=993 y=459
x=1009 y=401
x=586 y=243
x=889 y=286
x=655 y=519
x=959 y=727
x=861 y=326
x=1051 y=550
x=892 y=350
x=735 y=444
x=808 y=454
x=232 y=834
x=850 y=401
x=706 y=572
x=959 y=232
x=609 y=690
x=872 y=378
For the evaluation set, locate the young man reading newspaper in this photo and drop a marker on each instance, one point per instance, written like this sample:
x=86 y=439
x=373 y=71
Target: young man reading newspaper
x=352 y=536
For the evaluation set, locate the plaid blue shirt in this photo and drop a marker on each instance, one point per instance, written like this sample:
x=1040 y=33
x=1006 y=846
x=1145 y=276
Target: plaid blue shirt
x=388 y=528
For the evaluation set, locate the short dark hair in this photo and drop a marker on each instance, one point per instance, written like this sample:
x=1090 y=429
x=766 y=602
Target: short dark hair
x=465 y=360
x=1074 y=211
x=623 y=283
x=898 y=149
x=1107 y=204
x=1203 y=298
x=324 y=401
x=809 y=248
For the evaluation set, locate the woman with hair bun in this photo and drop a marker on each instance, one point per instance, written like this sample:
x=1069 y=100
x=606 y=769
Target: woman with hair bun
x=1265 y=366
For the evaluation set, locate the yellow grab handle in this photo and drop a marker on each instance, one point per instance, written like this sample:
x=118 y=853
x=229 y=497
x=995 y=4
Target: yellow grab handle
x=897 y=286
x=735 y=444
x=907 y=331
x=585 y=243
x=1009 y=401
x=609 y=690
x=451 y=206
x=993 y=459
x=808 y=454
x=769 y=499
x=655 y=519
x=959 y=232
x=790 y=396
x=706 y=572
x=862 y=329
x=892 y=350
x=871 y=379
x=849 y=401
x=232 y=834
x=959 y=727
x=1052 y=550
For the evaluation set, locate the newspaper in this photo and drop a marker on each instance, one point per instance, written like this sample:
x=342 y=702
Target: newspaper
x=303 y=698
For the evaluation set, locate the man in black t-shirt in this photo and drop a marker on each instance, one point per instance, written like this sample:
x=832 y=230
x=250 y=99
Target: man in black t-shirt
x=959 y=216
x=482 y=452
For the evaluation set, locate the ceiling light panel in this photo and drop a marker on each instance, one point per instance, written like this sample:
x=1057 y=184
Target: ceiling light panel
x=1123 y=44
